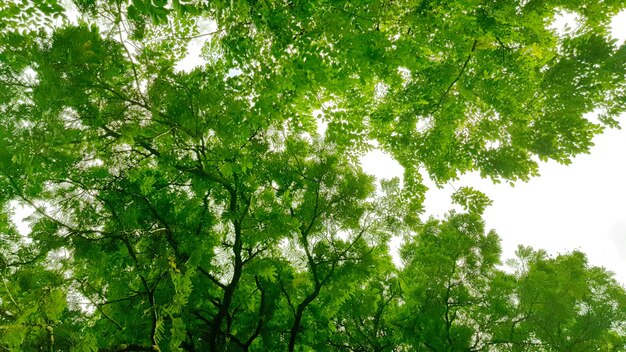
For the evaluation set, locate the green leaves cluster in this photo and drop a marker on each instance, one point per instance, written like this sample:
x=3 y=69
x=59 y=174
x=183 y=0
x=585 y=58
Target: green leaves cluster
x=203 y=210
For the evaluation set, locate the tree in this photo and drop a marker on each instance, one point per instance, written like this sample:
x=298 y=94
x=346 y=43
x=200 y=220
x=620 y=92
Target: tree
x=202 y=210
x=448 y=270
x=564 y=305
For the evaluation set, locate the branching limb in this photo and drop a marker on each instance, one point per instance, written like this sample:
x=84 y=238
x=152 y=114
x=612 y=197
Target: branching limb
x=456 y=79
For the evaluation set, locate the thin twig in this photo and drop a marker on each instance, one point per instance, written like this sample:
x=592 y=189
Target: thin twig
x=456 y=79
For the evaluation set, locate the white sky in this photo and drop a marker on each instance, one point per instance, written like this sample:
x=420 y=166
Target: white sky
x=579 y=206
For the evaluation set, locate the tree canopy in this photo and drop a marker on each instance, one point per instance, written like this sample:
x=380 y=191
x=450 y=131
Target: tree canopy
x=222 y=207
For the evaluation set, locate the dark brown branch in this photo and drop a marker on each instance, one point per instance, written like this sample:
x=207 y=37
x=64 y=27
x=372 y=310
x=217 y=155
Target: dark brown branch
x=149 y=291
x=261 y=321
x=284 y=291
x=295 y=327
x=169 y=233
x=201 y=317
x=201 y=35
x=229 y=291
x=121 y=24
x=211 y=277
x=456 y=79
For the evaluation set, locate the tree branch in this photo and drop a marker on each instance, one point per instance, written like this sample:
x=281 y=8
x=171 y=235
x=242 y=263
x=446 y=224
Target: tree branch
x=456 y=79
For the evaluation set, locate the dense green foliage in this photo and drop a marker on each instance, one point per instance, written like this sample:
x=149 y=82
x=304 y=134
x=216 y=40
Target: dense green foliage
x=203 y=209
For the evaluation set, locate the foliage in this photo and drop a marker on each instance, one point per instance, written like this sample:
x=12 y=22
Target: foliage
x=203 y=209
